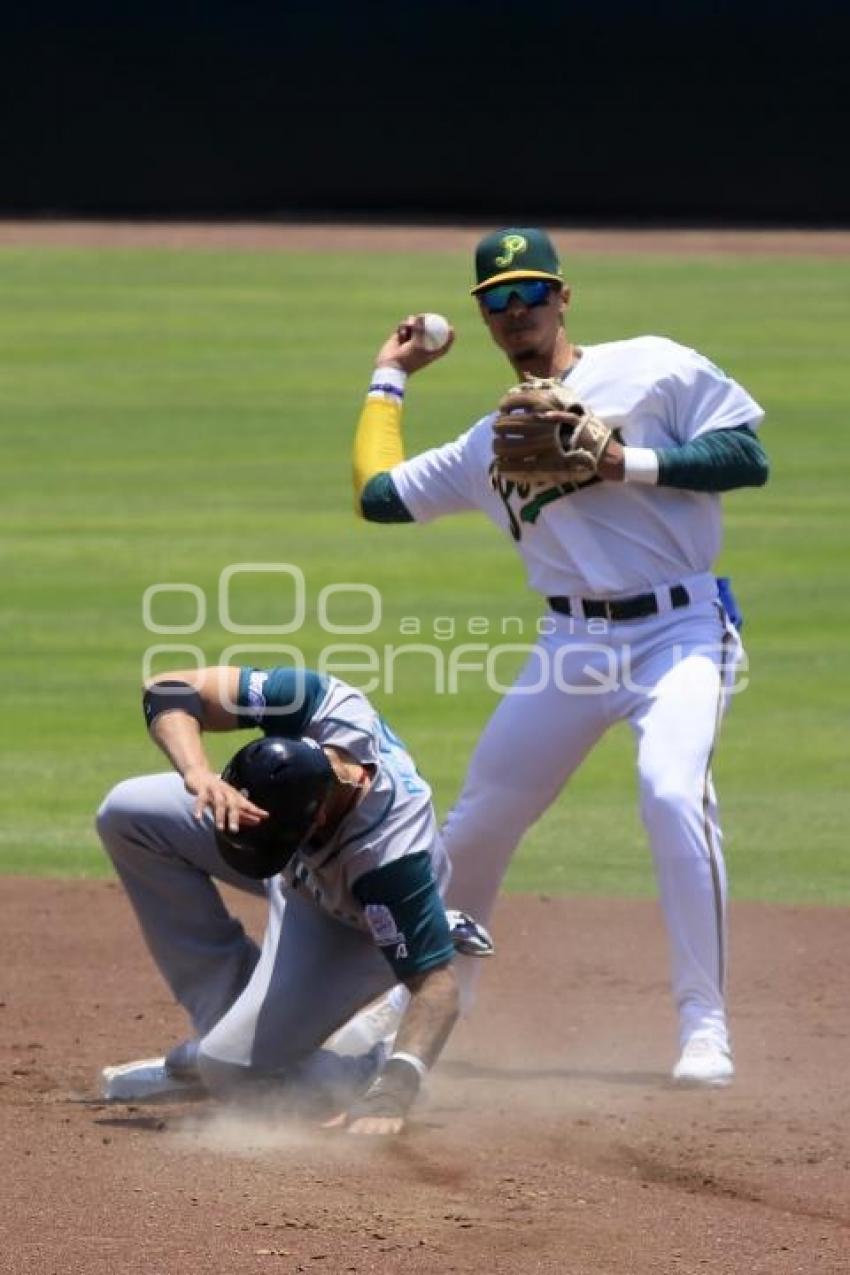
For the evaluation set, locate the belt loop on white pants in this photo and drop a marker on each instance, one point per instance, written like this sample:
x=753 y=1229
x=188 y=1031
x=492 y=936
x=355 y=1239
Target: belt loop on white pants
x=701 y=587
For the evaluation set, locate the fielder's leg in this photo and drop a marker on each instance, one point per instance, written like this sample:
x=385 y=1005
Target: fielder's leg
x=535 y=740
x=676 y=722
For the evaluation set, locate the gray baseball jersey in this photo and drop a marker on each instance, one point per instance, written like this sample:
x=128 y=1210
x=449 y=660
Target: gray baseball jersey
x=394 y=822
x=346 y=920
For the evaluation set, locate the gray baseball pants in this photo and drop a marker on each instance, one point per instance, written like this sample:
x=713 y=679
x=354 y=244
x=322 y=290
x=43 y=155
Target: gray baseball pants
x=258 y=1012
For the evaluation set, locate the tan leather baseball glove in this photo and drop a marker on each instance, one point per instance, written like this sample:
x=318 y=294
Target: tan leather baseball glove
x=530 y=445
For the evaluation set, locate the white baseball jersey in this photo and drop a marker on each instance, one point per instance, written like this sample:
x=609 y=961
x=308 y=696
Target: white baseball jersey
x=608 y=539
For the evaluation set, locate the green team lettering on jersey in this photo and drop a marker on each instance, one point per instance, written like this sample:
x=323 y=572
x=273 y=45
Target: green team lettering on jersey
x=530 y=506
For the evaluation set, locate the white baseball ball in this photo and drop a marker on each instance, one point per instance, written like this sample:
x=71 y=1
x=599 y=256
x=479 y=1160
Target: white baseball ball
x=434 y=332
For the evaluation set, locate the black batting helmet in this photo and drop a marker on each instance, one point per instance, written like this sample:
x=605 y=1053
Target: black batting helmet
x=289 y=778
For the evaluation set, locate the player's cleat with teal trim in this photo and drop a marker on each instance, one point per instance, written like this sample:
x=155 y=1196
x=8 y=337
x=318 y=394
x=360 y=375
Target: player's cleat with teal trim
x=469 y=937
x=704 y=1062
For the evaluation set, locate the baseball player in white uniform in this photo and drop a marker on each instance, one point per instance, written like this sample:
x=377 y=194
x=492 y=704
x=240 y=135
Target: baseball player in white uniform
x=636 y=627
x=327 y=816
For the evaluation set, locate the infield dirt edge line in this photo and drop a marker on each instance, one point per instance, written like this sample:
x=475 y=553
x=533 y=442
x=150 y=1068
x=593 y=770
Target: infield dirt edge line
x=300 y=236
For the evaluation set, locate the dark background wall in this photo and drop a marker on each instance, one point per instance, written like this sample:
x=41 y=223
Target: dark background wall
x=688 y=111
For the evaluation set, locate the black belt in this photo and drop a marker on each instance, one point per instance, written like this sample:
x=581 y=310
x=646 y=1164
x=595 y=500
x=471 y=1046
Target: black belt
x=635 y=608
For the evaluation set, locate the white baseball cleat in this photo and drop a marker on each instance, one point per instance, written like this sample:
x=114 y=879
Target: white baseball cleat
x=704 y=1061
x=146 y=1078
x=469 y=937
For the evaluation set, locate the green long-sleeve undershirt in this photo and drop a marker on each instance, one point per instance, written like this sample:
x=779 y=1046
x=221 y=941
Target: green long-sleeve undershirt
x=719 y=461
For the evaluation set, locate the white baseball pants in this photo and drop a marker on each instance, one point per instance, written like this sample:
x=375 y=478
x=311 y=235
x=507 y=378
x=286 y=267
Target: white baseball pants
x=668 y=676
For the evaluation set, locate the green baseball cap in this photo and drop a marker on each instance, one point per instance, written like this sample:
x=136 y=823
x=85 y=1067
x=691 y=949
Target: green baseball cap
x=515 y=253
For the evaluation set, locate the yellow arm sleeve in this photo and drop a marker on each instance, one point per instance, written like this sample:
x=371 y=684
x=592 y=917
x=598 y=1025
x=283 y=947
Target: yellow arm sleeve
x=378 y=442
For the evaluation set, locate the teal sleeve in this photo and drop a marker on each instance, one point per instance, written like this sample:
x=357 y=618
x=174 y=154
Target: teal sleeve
x=405 y=914
x=281 y=701
x=719 y=461
x=380 y=501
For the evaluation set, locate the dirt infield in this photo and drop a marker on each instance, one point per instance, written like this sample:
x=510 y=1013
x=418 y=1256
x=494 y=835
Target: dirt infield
x=551 y=1140
x=362 y=237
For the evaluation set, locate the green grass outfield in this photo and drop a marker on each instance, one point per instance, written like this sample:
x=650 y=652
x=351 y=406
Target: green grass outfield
x=166 y=414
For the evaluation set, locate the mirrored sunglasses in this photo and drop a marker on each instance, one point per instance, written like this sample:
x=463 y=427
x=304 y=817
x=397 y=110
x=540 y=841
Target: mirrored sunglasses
x=531 y=292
